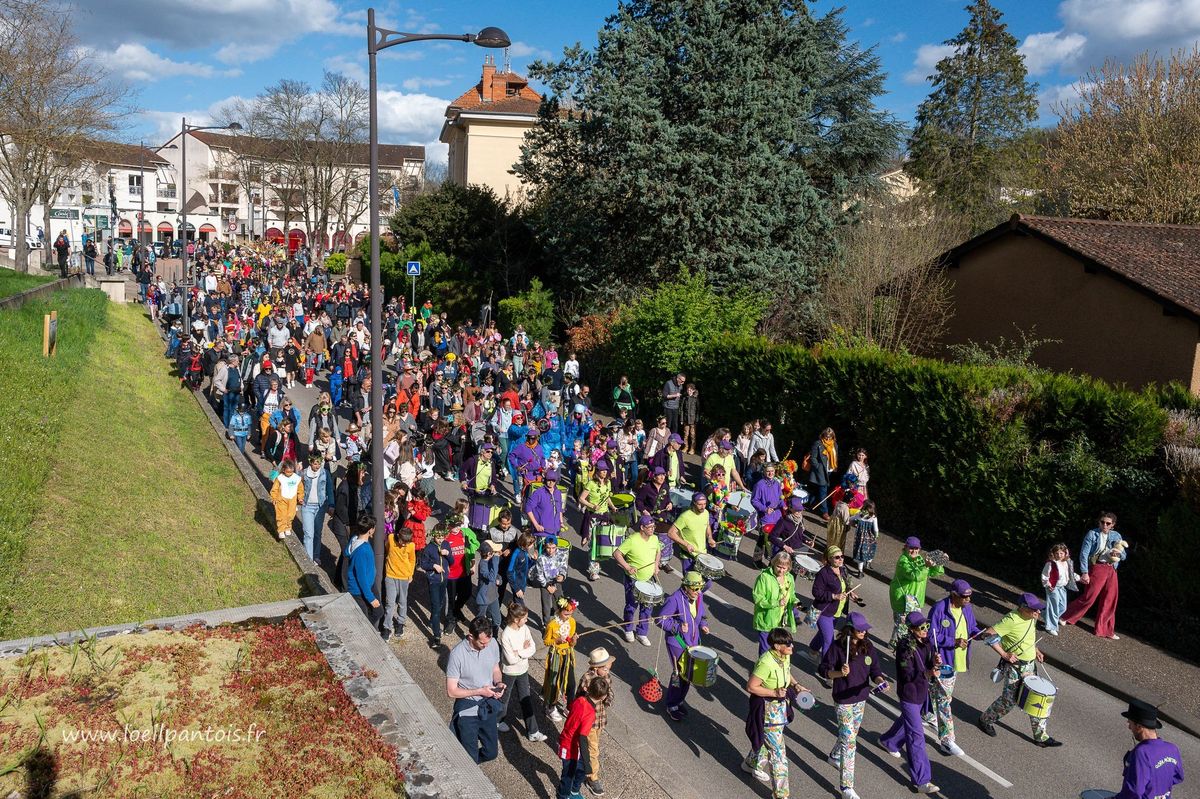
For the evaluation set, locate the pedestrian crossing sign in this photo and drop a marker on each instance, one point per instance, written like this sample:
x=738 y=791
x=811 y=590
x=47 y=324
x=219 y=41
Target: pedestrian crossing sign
x=414 y=268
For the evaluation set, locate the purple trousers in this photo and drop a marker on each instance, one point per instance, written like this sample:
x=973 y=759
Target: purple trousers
x=908 y=730
x=677 y=689
x=824 y=637
x=632 y=607
x=763 y=646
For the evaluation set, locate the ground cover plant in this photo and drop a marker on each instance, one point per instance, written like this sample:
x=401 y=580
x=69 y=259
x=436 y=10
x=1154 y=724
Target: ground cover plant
x=13 y=282
x=242 y=711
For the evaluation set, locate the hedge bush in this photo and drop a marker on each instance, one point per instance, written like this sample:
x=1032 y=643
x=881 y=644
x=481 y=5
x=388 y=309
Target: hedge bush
x=534 y=309
x=335 y=263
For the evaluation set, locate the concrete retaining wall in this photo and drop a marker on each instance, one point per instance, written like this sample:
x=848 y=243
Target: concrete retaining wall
x=40 y=292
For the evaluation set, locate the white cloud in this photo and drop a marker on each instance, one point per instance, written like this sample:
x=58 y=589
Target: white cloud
x=1043 y=51
x=163 y=125
x=524 y=50
x=350 y=66
x=897 y=37
x=416 y=84
x=928 y=56
x=1052 y=96
x=410 y=117
x=137 y=62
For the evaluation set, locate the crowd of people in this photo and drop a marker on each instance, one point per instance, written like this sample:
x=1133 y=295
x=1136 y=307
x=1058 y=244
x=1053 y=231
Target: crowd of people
x=510 y=421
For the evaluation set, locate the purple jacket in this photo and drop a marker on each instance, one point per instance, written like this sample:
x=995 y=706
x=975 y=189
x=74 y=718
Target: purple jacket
x=661 y=460
x=768 y=501
x=526 y=461
x=825 y=585
x=788 y=532
x=913 y=663
x=941 y=629
x=654 y=501
x=678 y=603
x=479 y=512
x=865 y=669
x=546 y=505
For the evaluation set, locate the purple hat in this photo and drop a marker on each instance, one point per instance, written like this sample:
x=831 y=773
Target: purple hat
x=611 y=444
x=645 y=519
x=675 y=439
x=657 y=471
x=552 y=475
x=912 y=542
x=961 y=587
x=697 y=496
x=795 y=503
x=488 y=446
x=1032 y=602
x=859 y=622
x=915 y=618
x=726 y=445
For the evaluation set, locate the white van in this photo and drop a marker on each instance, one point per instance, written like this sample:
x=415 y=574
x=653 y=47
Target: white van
x=8 y=240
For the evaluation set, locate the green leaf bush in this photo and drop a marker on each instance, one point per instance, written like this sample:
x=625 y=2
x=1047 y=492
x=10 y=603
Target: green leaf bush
x=534 y=309
x=335 y=264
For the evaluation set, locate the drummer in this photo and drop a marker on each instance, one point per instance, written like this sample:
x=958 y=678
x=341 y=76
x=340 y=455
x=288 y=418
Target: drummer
x=952 y=625
x=479 y=484
x=724 y=457
x=789 y=534
x=856 y=669
x=683 y=618
x=638 y=557
x=670 y=461
x=654 y=498
x=596 y=500
x=768 y=497
x=1154 y=767
x=831 y=594
x=527 y=461
x=774 y=597
x=544 y=507
x=692 y=532
x=1014 y=640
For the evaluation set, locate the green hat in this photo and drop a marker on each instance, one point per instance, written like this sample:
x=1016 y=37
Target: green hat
x=693 y=580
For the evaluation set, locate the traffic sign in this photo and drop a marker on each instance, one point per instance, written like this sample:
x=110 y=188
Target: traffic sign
x=414 y=268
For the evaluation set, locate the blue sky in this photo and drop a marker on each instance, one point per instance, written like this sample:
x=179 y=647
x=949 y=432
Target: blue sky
x=191 y=56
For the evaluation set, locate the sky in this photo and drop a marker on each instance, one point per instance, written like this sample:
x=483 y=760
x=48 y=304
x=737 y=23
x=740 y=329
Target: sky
x=190 y=57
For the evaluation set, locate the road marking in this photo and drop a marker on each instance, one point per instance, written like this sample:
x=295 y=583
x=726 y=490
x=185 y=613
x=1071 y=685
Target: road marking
x=982 y=769
x=709 y=596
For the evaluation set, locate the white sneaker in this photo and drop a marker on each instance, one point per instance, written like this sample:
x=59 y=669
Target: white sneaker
x=1052 y=632
x=503 y=726
x=928 y=787
x=759 y=774
x=644 y=641
x=555 y=716
x=930 y=720
x=883 y=746
x=849 y=793
x=833 y=761
x=629 y=636
x=953 y=749
x=1114 y=637
x=536 y=737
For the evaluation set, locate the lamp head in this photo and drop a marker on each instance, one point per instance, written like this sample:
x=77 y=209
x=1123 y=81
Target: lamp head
x=234 y=126
x=491 y=37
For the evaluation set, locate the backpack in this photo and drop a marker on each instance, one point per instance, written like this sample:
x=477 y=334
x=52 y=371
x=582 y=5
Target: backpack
x=233 y=382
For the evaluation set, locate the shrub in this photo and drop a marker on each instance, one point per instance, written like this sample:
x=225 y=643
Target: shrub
x=534 y=309
x=335 y=264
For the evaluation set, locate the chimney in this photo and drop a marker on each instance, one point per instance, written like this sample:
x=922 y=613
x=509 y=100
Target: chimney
x=487 y=83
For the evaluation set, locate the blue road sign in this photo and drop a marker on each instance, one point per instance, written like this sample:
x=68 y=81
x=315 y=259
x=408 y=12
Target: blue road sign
x=414 y=268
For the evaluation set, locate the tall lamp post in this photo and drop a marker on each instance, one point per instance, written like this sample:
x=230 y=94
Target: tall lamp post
x=184 y=130
x=381 y=39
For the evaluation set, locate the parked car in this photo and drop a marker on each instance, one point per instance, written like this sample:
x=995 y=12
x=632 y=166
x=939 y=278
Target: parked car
x=159 y=248
x=8 y=240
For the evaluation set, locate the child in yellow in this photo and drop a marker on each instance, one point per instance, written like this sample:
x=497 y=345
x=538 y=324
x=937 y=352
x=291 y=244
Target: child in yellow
x=287 y=492
x=560 y=659
x=399 y=563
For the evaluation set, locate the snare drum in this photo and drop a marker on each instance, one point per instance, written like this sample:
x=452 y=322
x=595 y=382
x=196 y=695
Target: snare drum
x=648 y=593
x=622 y=500
x=608 y=538
x=729 y=545
x=681 y=498
x=805 y=701
x=698 y=665
x=1036 y=696
x=738 y=506
x=710 y=566
x=806 y=565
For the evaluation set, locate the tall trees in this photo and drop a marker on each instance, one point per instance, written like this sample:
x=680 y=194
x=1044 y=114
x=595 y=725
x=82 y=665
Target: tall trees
x=969 y=141
x=1127 y=147
x=728 y=135
x=53 y=98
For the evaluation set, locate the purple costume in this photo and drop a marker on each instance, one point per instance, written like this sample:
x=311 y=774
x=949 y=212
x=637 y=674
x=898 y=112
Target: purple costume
x=526 y=462
x=914 y=660
x=1152 y=769
x=480 y=511
x=788 y=532
x=825 y=585
x=941 y=629
x=657 y=502
x=768 y=501
x=546 y=505
x=677 y=603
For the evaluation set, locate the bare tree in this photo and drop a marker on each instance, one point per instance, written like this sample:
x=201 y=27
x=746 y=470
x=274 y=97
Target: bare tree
x=54 y=97
x=1126 y=148
x=887 y=287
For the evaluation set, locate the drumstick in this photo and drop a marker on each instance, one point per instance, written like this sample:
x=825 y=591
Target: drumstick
x=621 y=624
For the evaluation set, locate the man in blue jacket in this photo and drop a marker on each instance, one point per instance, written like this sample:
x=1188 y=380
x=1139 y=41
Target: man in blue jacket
x=952 y=625
x=360 y=573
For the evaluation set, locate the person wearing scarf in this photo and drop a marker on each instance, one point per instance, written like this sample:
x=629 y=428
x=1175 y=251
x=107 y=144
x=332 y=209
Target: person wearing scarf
x=831 y=593
x=479 y=485
x=772 y=689
x=856 y=670
x=683 y=618
x=822 y=460
x=788 y=535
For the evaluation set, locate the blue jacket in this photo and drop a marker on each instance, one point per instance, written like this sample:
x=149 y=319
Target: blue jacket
x=518 y=570
x=360 y=575
x=1095 y=542
x=941 y=629
x=429 y=557
x=239 y=425
x=489 y=572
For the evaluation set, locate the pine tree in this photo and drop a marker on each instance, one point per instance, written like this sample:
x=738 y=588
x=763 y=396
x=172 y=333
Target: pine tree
x=728 y=135
x=969 y=143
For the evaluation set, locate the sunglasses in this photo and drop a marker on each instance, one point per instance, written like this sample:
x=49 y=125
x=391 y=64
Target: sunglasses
x=921 y=627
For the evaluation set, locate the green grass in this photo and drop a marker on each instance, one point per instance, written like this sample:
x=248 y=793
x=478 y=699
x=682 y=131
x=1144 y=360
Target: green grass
x=14 y=282
x=127 y=507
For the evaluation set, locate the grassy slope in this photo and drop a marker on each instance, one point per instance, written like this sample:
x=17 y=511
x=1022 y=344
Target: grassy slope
x=13 y=282
x=143 y=515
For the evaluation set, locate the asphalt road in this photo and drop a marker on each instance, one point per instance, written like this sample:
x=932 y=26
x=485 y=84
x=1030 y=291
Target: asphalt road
x=699 y=757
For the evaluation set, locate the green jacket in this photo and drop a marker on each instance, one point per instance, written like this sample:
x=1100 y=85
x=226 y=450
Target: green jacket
x=472 y=544
x=768 y=614
x=912 y=576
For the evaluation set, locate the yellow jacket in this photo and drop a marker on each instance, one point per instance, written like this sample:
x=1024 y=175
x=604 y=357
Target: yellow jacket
x=400 y=560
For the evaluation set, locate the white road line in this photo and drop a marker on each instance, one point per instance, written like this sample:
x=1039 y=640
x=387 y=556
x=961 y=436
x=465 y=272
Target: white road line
x=982 y=769
x=709 y=596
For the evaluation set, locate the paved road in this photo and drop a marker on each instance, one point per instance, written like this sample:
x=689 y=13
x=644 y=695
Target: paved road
x=699 y=757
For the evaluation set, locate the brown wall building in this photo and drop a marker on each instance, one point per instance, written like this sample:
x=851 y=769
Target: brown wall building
x=1123 y=298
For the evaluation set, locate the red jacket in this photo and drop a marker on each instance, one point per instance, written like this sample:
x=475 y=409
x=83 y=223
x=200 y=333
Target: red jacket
x=418 y=512
x=580 y=718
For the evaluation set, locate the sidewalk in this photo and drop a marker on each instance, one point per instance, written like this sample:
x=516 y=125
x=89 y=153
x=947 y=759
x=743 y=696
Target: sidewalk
x=1127 y=668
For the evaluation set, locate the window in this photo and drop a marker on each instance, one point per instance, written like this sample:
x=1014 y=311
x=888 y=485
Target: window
x=166 y=190
x=135 y=185
x=87 y=186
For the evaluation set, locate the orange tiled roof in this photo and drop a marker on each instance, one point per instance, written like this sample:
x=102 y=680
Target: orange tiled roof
x=525 y=101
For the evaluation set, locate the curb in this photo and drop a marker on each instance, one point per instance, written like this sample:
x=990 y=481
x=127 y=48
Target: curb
x=20 y=298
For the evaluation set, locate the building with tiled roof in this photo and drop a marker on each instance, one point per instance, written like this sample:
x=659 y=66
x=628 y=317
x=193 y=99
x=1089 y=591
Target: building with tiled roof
x=1121 y=299
x=485 y=127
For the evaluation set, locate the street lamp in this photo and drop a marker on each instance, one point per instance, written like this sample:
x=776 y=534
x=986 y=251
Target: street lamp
x=381 y=39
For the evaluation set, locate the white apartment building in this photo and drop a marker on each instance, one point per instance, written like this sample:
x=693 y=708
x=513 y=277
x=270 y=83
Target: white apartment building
x=227 y=184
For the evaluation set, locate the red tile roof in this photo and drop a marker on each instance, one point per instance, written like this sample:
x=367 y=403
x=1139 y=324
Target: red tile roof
x=1161 y=260
x=525 y=101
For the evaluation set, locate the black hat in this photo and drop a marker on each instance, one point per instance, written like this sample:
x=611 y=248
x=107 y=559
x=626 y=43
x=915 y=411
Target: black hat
x=1143 y=714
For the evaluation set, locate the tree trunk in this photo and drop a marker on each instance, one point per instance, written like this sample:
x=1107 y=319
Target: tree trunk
x=48 y=260
x=19 y=227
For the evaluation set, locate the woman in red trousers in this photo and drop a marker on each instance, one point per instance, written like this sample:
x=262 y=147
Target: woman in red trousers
x=1102 y=552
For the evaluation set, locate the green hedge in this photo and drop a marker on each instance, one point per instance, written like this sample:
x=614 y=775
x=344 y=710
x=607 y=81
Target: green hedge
x=991 y=464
